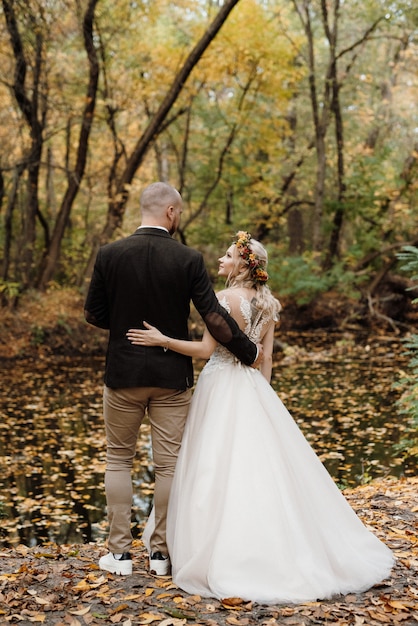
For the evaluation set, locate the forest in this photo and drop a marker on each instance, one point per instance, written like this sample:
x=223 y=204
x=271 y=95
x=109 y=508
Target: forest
x=293 y=119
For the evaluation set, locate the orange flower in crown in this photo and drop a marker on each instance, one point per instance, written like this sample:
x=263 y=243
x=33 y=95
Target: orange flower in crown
x=256 y=265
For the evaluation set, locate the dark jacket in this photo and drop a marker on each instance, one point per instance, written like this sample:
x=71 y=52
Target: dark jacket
x=151 y=277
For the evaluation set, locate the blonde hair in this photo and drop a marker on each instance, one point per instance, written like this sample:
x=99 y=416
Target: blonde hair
x=239 y=277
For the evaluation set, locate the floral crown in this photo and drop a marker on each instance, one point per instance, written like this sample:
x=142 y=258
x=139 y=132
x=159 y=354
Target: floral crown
x=256 y=265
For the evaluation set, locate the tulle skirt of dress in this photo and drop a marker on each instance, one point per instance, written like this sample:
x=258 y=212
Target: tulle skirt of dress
x=253 y=513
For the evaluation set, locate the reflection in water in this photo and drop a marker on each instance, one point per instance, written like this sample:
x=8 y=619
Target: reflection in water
x=52 y=451
x=52 y=446
x=347 y=413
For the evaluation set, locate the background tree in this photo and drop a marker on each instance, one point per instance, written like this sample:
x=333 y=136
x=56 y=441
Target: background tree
x=276 y=124
x=329 y=172
x=32 y=102
x=34 y=42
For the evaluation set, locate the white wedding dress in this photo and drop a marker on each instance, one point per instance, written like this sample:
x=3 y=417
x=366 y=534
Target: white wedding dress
x=253 y=513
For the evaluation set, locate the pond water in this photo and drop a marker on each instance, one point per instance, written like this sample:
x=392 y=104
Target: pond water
x=52 y=445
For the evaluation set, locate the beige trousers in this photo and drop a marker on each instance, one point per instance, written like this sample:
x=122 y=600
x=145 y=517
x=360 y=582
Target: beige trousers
x=124 y=411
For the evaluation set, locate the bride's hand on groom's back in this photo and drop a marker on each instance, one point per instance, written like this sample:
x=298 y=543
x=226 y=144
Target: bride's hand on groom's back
x=149 y=337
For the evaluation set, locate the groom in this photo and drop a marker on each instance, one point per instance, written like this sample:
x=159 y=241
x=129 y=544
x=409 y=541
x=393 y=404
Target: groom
x=150 y=276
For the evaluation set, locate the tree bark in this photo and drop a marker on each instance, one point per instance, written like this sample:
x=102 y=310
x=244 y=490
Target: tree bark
x=332 y=37
x=35 y=120
x=321 y=123
x=11 y=203
x=51 y=258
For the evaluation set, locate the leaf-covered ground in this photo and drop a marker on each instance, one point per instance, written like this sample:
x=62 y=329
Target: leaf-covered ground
x=62 y=585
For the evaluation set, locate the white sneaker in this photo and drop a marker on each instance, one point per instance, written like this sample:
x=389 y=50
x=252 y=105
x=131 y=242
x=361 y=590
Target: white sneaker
x=159 y=565
x=121 y=566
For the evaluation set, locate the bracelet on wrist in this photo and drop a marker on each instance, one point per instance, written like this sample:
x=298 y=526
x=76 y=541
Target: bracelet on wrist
x=167 y=343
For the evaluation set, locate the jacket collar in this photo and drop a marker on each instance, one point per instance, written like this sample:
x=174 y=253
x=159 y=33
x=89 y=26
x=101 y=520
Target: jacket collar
x=152 y=230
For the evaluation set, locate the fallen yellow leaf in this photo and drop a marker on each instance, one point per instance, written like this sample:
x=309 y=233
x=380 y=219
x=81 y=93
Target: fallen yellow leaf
x=83 y=585
x=179 y=599
x=119 y=609
x=396 y=604
x=148 y=618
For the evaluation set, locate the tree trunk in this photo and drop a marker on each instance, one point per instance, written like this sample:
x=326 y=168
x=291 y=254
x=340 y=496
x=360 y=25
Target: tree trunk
x=51 y=258
x=35 y=120
x=11 y=203
x=332 y=36
x=321 y=123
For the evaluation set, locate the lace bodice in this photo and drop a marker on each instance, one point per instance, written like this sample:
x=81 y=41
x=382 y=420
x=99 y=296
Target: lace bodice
x=254 y=323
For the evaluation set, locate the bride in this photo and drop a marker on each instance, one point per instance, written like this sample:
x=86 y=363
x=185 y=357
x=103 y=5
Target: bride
x=253 y=513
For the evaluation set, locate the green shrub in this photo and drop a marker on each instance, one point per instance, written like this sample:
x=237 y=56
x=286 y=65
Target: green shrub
x=303 y=278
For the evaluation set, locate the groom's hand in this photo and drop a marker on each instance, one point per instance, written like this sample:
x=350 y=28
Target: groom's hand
x=260 y=356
